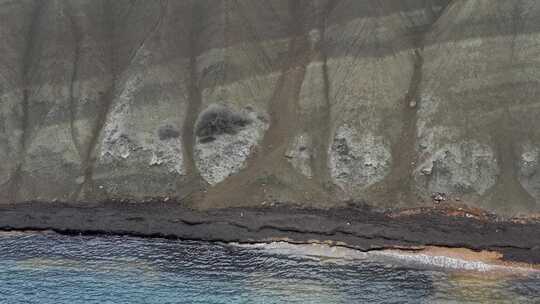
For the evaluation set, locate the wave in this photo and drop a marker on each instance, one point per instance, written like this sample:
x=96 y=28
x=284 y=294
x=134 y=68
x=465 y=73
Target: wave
x=446 y=258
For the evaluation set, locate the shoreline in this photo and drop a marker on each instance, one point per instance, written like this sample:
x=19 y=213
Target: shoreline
x=359 y=228
x=458 y=260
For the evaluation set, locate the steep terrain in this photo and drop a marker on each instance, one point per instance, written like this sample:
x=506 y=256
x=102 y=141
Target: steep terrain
x=248 y=103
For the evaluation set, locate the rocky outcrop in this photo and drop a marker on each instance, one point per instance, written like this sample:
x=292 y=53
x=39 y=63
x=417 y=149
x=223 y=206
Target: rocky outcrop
x=247 y=103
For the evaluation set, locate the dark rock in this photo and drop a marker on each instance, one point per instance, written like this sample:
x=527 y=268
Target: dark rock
x=168 y=132
x=220 y=120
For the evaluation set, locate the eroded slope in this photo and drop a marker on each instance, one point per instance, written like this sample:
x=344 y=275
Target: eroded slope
x=247 y=103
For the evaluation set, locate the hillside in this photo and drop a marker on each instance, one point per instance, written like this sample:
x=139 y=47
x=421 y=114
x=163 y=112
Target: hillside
x=250 y=103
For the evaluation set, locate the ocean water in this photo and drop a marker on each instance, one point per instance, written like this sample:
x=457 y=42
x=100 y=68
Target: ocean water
x=51 y=268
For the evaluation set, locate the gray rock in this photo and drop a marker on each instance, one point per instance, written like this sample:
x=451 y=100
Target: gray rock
x=358 y=160
x=225 y=139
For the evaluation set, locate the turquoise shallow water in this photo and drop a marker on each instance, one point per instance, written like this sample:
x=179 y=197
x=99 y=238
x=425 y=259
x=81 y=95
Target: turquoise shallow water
x=50 y=268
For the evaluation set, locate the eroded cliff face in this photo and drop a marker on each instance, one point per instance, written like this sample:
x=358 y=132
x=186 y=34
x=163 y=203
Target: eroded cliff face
x=247 y=103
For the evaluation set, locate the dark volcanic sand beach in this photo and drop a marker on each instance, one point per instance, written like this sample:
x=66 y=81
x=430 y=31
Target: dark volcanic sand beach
x=355 y=227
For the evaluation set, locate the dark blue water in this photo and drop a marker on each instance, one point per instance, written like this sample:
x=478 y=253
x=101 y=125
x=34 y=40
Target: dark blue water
x=50 y=268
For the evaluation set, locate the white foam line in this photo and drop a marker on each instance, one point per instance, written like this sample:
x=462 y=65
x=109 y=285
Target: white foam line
x=453 y=263
x=439 y=261
x=348 y=254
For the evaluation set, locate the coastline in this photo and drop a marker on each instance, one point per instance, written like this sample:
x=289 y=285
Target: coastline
x=353 y=227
